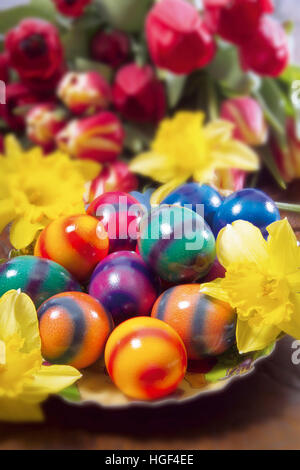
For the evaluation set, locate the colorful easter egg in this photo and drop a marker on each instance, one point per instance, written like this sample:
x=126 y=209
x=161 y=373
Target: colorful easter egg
x=202 y=199
x=78 y=243
x=120 y=214
x=125 y=285
x=177 y=243
x=247 y=204
x=74 y=328
x=39 y=278
x=143 y=198
x=145 y=358
x=206 y=325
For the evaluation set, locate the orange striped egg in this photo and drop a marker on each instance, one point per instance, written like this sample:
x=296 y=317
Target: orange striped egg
x=206 y=325
x=78 y=243
x=145 y=358
x=74 y=328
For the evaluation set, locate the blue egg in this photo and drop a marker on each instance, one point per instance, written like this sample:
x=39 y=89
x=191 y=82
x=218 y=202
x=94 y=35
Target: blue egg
x=247 y=204
x=143 y=198
x=193 y=194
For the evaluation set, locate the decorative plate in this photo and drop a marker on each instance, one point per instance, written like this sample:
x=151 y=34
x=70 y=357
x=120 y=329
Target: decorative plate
x=203 y=377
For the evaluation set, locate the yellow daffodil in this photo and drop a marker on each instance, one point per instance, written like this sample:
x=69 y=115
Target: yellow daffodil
x=185 y=148
x=24 y=381
x=262 y=282
x=36 y=189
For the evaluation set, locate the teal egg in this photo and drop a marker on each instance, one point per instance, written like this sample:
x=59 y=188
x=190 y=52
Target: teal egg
x=37 y=277
x=177 y=243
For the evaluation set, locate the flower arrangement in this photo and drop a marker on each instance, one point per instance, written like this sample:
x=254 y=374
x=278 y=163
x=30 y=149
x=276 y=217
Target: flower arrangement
x=114 y=109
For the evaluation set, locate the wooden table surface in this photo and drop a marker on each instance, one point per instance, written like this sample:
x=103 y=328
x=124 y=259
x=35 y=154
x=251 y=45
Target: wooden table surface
x=259 y=411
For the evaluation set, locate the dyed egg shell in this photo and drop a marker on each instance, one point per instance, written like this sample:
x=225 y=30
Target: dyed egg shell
x=39 y=278
x=145 y=358
x=206 y=325
x=247 y=204
x=205 y=197
x=78 y=243
x=74 y=328
x=125 y=285
x=120 y=214
x=143 y=198
x=177 y=243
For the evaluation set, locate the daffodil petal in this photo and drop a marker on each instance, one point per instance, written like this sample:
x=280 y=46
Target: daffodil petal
x=12 y=146
x=18 y=316
x=292 y=327
x=7 y=213
x=283 y=250
x=88 y=168
x=155 y=166
x=241 y=242
x=51 y=380
x=163 y=191
x=15 y=410
x=214 y=289
x=254 y=338
x=219 y=129
x=235 y=154
x=23 y=232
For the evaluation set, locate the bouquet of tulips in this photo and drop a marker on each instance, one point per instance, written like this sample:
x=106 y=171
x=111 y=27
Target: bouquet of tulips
x=175 y=102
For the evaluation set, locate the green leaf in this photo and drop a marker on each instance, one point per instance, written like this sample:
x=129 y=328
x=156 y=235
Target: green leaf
x=71 y=394
x=175 y=85
x=126 y=15
x=85 y=65
x=291 y=73
x=270 y=163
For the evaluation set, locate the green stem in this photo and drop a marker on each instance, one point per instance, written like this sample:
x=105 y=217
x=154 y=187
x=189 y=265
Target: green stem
x=284 y=206
x=213 y=108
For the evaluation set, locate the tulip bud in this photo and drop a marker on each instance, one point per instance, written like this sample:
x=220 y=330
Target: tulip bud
x=44 y=121
x=247 y=116
x=177 y=37
x=138 y=94
x=71 y=8
x=229 y=180
x=288 y=160
x=267 y=53
x=99 y=138
x=236 y=20
x=113 y=177
x=111 y=48
x=84 y=92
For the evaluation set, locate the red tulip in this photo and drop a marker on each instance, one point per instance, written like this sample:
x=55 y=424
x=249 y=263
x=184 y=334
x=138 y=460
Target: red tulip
x=4 y=67
x=177 y=37
x=84 y=92
x=138 y=94
x=267 y=53
x=248 y=117
x=111 y=48
x=72 y=8
x=35 y=50
x=230 y=180
x=99 y=138
x=18 y=99
x=236 y=20
x=113 y=177
x=44 y=121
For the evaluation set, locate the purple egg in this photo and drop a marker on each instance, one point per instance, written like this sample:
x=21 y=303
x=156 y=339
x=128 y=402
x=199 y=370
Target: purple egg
x=125 y=285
